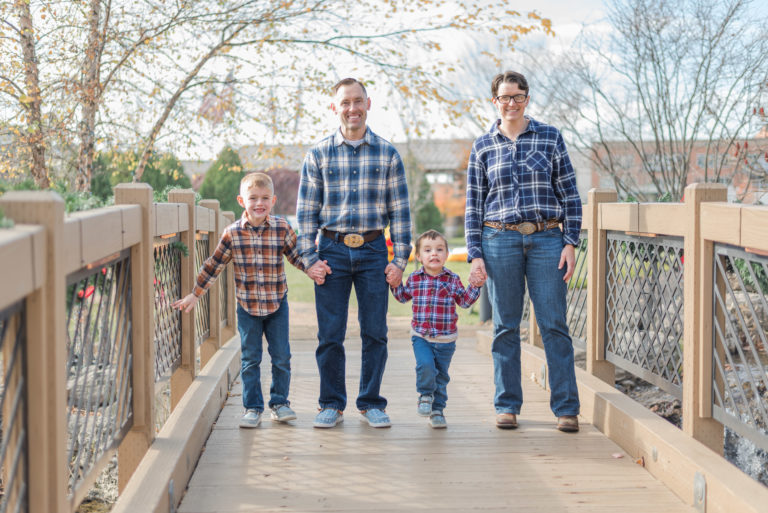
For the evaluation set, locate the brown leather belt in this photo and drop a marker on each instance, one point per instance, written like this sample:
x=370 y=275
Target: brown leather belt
x=352 y=240
x=526 y=228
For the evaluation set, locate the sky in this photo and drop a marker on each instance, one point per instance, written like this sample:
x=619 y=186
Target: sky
x=566 y=22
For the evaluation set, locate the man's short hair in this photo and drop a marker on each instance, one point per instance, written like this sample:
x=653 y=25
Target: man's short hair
x=431 y=235
x=349 y=81
x=513 y=77
x=257 y=180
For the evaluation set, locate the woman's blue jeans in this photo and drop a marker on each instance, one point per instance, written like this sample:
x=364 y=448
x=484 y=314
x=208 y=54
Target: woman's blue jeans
x=362 y=267
x=512 y=260
x=432 y=362
x=275 y=327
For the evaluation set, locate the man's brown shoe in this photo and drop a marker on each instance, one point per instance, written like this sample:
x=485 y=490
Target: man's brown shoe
x=568 y=423
x=506 y=421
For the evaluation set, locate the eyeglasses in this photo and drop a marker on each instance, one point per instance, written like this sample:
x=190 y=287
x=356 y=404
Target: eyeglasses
x=505 y=99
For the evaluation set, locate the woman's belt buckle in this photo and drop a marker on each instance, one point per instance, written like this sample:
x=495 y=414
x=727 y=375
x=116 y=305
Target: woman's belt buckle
x=353 y=240
x=526 y=228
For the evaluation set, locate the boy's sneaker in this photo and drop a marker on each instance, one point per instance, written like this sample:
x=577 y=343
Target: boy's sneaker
x=328 y=418
x=282 y=413
x=425 y=405
x=251 y=419
x=376 y=418
x=437 y=420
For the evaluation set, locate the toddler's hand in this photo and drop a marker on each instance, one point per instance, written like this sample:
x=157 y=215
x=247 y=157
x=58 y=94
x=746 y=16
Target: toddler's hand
x=477 y=281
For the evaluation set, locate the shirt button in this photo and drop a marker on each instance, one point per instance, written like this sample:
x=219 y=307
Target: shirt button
x=354 y=172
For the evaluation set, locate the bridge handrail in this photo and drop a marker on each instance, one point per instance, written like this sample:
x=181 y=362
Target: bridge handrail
x=83 y=253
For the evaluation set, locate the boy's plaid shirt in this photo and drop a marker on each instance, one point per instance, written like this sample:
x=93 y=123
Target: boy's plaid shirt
x=531 y=179
x=257 y=253
x=434 y=301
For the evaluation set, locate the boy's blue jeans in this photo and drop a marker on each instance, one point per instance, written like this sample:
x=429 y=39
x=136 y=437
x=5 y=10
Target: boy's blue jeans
x=432 y=362
x=362 y=267
x=512 y=259
x=275 y=327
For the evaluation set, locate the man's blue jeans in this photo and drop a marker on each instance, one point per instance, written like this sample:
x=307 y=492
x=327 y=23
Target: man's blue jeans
x=432 y=362
x=275 y=327
x=362 y=267
x=512 y=259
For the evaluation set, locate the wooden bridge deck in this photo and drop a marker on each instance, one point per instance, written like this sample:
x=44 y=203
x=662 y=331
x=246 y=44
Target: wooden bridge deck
x=472 y=465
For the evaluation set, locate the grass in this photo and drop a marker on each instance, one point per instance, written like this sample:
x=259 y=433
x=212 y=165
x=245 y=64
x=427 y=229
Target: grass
x=301 y=289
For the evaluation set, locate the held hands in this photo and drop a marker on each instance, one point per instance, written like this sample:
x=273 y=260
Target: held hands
x=477 y=274
x=568 y=257
x=394 y=275
x=318 y=271
x=187 y=303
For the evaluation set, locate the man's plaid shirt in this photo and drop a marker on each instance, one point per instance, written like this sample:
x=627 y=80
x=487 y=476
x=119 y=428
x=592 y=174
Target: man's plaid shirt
x=531 y=179
x=434 y=302
x=257 y=253
x=353 y=190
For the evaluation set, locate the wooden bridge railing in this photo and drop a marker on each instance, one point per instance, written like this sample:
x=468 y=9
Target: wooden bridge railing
x=88 y=339
x=677 y=294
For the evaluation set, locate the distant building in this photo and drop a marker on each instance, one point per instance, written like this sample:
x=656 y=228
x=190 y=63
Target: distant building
x=745 y=169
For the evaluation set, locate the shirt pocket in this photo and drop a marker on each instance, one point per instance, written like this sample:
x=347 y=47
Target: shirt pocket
x=538 y=167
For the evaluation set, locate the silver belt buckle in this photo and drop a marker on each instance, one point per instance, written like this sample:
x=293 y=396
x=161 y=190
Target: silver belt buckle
x=526 y=228
x=353 y=240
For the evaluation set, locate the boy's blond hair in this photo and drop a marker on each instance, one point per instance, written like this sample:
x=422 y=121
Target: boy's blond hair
x=431 y=235
x=261 y=180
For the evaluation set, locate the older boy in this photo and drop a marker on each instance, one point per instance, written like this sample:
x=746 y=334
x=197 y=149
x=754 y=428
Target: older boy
x=256 y=243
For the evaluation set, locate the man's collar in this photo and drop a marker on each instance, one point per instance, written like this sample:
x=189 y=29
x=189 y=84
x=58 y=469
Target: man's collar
x=338 y=137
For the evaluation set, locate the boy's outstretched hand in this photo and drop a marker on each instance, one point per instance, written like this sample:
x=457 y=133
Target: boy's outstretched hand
x=187 y=303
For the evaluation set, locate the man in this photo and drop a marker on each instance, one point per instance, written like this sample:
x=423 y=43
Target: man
x=352 y=186
x=520 y=188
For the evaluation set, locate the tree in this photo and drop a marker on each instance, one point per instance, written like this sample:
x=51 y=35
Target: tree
x=132 y=75
x=222 y=180
x=426 y=216
x=673 y=77
x=112 y=167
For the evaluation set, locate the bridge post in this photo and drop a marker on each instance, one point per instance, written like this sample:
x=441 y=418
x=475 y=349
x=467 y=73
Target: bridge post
x=140 y=437
x=46 y=421
x=183 y=376
x=229 y=218
x=597 y=365
x=213 y=342
x=697 y=335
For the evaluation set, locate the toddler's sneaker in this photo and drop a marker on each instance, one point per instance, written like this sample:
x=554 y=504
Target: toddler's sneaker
x=376 y=418
x=328 y=418
x=251 y=419
x=282 y=413
x=425 y=405
x=437 y=420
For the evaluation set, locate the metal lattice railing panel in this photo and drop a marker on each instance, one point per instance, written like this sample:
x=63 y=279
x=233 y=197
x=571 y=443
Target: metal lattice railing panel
x=13 y=448
x=740 y=348
x=644 y=308
x=167 y=286
x=577 y=296
x=99 y=362
x=203 y=308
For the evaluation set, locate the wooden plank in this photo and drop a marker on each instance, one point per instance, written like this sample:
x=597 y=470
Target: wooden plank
x=131 y=224
x=720 y=222
x=22 y=249
x=471 y=465
x=204 y=220
x=73 y=245
x=619 y=216
x=661 y=218
x=101 y=233
x=754 y=227
x=166 y=218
